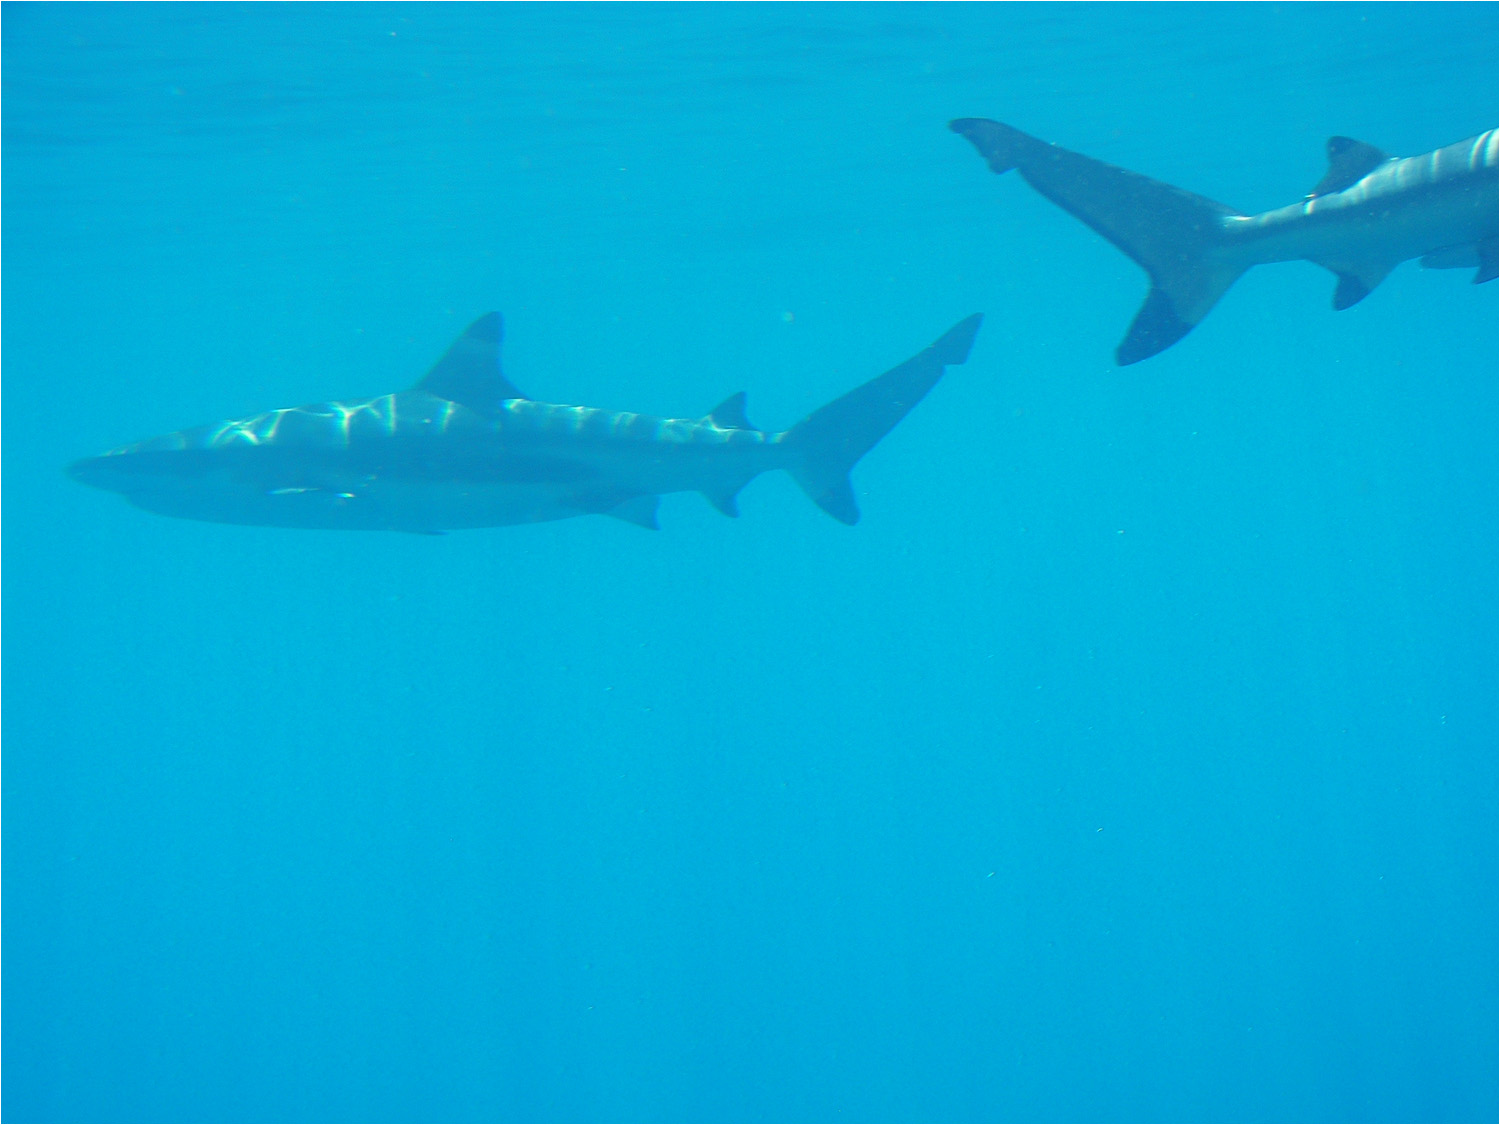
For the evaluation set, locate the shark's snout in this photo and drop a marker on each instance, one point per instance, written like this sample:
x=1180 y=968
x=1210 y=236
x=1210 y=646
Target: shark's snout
x=97 y=472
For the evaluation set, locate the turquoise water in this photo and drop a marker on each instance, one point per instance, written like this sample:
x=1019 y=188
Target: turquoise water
x=1133 y=759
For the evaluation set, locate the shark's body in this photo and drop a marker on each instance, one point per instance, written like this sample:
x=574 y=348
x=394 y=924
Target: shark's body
x=1367 y=215
x=464 y=448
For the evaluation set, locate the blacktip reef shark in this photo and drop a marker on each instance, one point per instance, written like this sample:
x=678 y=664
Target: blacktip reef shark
x=464 y=448
x=1368 y=214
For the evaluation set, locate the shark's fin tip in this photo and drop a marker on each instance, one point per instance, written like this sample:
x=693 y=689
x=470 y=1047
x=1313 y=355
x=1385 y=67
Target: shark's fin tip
x=725 y=503
x=1157 y=326
x=953 y=346
x=829 y=442
x=490 y=328
x=1489 y=261
x=1349 y=292
x=1356 y=281
x=469 y=372
x=1000 y=145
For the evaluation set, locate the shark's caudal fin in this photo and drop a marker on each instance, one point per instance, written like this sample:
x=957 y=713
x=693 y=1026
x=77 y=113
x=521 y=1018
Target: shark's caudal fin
x=1167 y=231
x=829 y=441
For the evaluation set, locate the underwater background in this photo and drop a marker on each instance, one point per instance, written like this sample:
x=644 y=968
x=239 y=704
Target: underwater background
x=1134 y=758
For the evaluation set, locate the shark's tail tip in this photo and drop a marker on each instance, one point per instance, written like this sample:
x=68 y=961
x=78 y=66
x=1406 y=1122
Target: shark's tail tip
x=1000 y=145
x=952 y=347
x=968 y=126
x=829 y=441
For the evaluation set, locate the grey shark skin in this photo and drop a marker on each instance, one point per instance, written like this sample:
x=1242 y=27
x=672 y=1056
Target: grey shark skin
x=1368 y=214
x=464 y=448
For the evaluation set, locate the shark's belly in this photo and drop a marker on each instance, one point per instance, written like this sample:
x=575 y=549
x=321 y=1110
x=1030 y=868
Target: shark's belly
x=421 y=484
x=423 y=507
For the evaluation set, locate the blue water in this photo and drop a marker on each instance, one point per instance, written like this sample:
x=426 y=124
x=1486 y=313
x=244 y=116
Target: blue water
x=1133 y=759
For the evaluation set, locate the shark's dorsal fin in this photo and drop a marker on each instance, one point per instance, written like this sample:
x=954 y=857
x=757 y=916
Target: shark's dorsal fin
x=469 y=373
x=639 y=508
x=730 y=414
x=1349 y=161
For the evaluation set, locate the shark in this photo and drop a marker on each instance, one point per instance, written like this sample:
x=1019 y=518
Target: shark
x=1369 y=213
x=464 y=448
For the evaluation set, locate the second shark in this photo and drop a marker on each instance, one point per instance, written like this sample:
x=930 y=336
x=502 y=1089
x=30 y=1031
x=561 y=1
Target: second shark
x=1367 y=215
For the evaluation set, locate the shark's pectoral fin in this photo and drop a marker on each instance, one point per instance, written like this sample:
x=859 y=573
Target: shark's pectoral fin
x=1488 y=253
x=1349 y=161
x=1357 y=281
x=639 y=510
x=1350 y=291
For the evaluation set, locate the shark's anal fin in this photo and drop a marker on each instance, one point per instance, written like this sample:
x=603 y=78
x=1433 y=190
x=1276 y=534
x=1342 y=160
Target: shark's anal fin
x=724 y=498
x=469 y=372
x=639 y=509
x=1349 y=161
x=632 y=507
x=1477 y=256
x=830 y=441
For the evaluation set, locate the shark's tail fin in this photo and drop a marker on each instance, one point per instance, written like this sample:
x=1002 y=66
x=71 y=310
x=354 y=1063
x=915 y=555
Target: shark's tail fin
x=828 y=442
x=1170 y=233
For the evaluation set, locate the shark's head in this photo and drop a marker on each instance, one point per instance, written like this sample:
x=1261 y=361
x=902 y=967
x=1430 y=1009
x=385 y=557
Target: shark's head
x=162 y=475
x=200 y=474
x=152 y=465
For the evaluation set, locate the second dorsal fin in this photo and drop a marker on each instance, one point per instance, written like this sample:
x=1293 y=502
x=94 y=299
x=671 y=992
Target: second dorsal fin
x=1349 y=161
x=730 y=414
x=469 y=372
